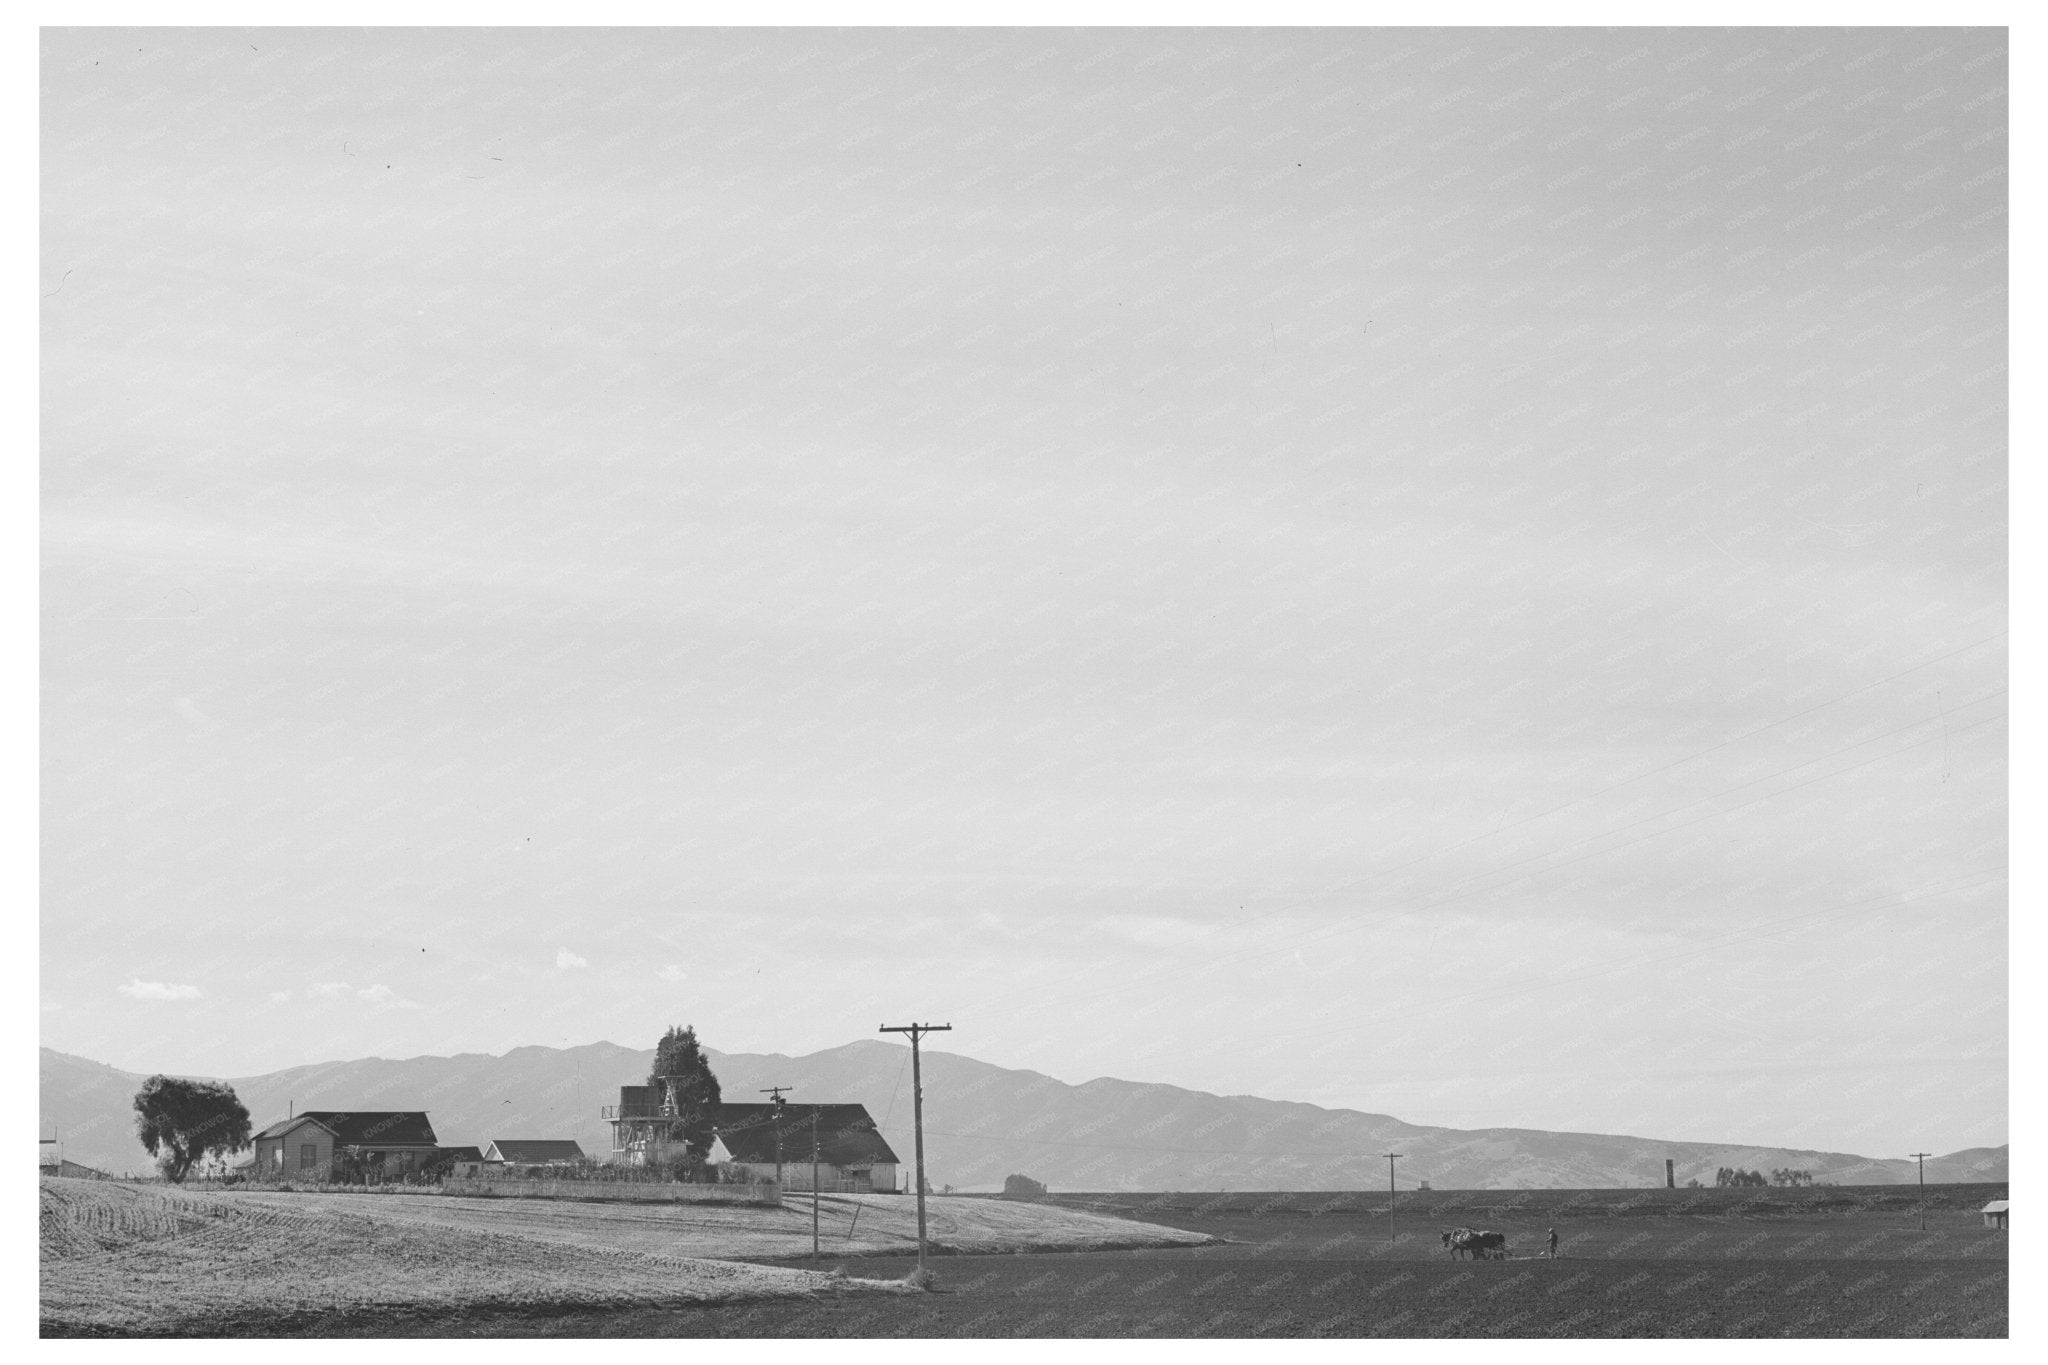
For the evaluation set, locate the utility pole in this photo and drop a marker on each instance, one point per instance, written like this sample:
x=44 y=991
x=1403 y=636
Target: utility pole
x=1921 y=1157
x=917 y=1031
x=774 y=1092
x=814 y=1182
x=1390 y=1193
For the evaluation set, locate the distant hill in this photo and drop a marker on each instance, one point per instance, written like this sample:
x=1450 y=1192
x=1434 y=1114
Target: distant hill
x=983 y=1122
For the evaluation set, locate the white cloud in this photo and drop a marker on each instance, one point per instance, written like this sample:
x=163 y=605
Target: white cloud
x=280 y=997
x=564 y=960
x=329 y=989
x=674 y=973
x=378 y=995
x=157 y=990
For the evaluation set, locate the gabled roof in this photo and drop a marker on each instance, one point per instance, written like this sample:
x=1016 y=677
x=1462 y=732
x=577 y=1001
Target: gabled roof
x=846 y=1135
x=365 y=1127
x=1996 y=1206
x=535 y=1149
x=283 y=1126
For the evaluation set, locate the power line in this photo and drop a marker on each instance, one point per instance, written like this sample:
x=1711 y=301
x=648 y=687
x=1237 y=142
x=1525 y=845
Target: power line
x=1752 y=734
x=1754 y=931
x=1727 y=810
x=1129 y=1147
x=1969 y=881
x=887 y=1114
x=1440 y=899
x=998 y=1002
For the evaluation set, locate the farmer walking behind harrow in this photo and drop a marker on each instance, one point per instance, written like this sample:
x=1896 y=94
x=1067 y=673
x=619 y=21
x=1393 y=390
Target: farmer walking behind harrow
x=1552 y=1253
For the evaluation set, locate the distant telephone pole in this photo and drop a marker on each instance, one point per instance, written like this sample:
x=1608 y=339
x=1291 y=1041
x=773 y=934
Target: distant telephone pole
x=774 y=1093
x=814 y=1182
x=1390 y=1156
x=917 y=1031
x=1921 y=1157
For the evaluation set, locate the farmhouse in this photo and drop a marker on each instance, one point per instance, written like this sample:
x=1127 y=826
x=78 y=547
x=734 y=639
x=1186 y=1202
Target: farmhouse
x=1996 y=1212
x=306 y=1146
x=533 y=1152
x=852 y=1156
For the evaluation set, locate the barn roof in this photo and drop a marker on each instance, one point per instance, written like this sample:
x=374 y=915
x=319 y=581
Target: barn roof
x=537 y=1149
x=364 y=1127
x=846 y=1135
x=1996 y=1206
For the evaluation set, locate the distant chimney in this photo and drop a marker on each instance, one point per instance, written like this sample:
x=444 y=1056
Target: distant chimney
x=1670 y=1175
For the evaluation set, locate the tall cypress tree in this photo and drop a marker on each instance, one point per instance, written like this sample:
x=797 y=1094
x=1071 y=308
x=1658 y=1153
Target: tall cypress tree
x=679 y=1058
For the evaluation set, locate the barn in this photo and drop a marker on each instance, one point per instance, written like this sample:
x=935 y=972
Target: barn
x=1996 y=1212
x=853 y=1158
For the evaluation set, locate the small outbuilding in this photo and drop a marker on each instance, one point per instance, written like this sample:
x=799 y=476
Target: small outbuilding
x=1996 y=1212
x=54 y=1163
x=460 y=1161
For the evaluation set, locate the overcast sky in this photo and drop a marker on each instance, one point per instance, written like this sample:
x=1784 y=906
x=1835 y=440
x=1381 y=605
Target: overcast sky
x=1456 y=574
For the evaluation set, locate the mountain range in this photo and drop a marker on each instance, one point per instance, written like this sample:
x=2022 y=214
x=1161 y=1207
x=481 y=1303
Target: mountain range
x=982 y=1123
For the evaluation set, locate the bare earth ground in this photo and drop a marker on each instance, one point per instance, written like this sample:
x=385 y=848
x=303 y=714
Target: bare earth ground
x=1837 y=1263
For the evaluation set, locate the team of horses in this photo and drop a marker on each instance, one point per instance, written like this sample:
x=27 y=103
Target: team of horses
x=1480 y=1245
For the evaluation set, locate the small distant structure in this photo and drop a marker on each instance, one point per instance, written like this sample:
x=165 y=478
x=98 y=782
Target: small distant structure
x=460 y=1161
x=1996 y=1212
x=50 y=1160
x=533 y=1152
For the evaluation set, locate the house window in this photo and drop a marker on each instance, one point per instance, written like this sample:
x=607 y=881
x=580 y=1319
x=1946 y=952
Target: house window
x=309 y=1155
